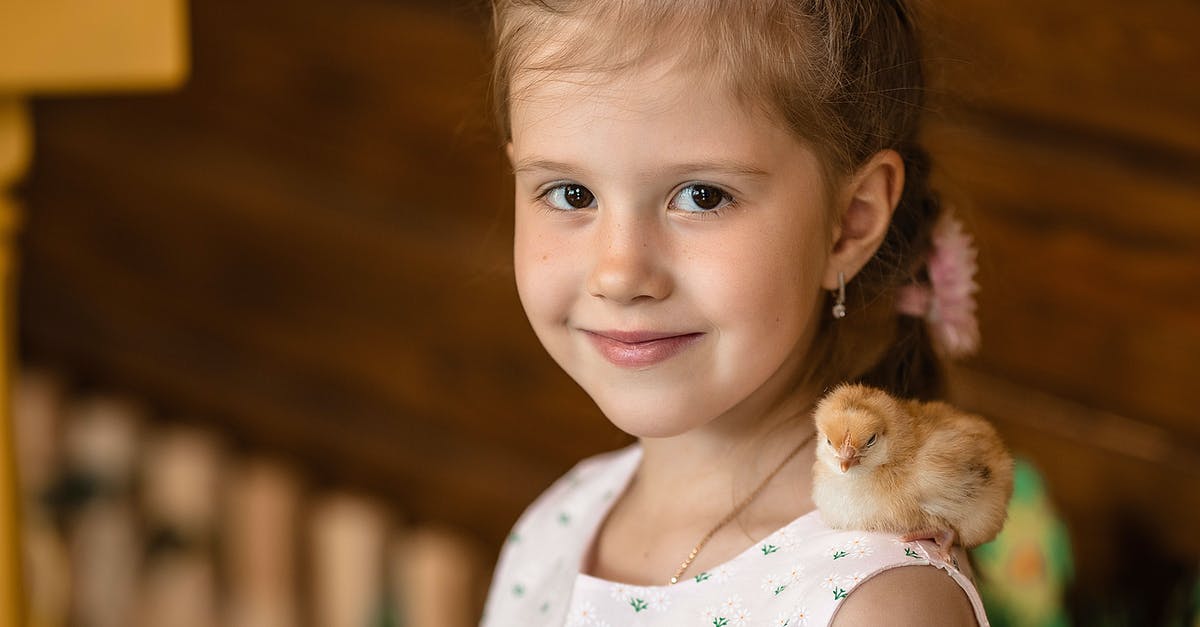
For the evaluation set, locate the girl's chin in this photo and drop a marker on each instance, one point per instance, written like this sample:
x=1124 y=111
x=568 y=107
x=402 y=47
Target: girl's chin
x=652 y=419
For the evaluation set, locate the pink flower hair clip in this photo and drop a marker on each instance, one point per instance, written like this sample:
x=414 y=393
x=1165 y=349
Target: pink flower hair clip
x=947 y=304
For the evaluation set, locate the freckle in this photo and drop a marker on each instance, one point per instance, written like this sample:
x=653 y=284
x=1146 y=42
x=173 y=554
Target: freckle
x=545 y=257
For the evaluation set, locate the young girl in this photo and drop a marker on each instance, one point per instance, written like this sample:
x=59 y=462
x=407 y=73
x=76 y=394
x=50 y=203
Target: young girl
x=718 y=203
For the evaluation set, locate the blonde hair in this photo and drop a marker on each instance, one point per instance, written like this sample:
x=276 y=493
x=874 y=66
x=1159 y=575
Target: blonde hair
x=844 y=76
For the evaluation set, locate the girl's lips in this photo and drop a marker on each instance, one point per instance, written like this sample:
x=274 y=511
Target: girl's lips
x=638 y=349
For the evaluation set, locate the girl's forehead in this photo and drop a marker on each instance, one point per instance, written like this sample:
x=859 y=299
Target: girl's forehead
x=658 y=96
x=650 y=86
x=658 y=116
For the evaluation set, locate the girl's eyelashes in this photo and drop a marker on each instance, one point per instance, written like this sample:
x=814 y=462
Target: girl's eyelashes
x=700 y=198
x=568 y=197
x=695 y=198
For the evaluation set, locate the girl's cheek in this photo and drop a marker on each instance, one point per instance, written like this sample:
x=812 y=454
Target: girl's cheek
x=545 y=263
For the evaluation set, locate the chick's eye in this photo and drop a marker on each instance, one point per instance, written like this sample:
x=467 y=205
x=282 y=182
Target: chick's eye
x=701 y=198
x=871 y=441
x=569 y=197
x=829 y=442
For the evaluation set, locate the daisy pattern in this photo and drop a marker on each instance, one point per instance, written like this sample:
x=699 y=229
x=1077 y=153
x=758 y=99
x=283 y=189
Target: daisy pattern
x=722 y=573
x=856 y=543
x=861 y=551
x=740 y=618
x=730 y=605
x=853 y=579
x=772 y=582
x=640 y=598
x=582 y=615
x=796 y=618
x=795 y=573
x=621 y=592
x=786 y=539
x=657 y=600
x=830 y=581
x=729 y=613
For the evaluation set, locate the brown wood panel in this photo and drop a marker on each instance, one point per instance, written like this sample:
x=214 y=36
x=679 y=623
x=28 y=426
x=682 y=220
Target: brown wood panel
x=1118 y=483
x=1104 y=67
x=1089 y=267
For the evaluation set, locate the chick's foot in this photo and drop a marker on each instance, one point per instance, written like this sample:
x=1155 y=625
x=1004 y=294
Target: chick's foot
x=943 y=538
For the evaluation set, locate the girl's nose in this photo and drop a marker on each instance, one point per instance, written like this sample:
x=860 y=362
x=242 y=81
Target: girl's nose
x=630 y=263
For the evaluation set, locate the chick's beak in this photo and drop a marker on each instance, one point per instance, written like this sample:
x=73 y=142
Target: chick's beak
x=848 y=457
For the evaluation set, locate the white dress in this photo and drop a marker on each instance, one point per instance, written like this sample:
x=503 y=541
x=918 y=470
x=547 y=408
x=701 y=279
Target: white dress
x=797 y=575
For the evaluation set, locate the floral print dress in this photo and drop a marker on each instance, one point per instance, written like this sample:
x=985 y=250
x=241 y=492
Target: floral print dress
x=797 y=576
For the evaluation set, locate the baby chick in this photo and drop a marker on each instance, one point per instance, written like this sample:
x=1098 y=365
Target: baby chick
x=922 y=470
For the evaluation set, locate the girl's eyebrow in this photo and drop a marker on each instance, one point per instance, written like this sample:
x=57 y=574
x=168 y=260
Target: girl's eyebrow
x=737 y=168
x=530 y=164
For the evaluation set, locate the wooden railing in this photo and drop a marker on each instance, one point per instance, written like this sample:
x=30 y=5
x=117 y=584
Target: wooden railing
x=62 y=47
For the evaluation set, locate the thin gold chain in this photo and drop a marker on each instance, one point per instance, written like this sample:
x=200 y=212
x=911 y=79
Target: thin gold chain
x=731 y=515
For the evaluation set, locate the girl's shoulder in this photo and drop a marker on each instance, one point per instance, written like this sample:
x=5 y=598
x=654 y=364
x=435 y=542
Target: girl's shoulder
x=853 y=577
x=911 y=596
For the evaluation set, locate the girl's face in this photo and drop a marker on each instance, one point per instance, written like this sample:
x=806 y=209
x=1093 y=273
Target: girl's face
x=670 y=245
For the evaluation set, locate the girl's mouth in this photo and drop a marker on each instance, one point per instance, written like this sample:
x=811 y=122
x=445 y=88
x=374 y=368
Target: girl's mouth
x=636 y=349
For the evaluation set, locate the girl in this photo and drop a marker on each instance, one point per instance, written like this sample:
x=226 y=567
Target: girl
x=691 y=177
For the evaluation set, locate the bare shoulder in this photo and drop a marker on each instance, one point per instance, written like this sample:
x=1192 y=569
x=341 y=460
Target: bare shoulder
x=909 y=595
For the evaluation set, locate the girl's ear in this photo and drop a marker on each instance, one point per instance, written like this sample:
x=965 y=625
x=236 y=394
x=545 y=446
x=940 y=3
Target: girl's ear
x=508 y=151
x=868 y=200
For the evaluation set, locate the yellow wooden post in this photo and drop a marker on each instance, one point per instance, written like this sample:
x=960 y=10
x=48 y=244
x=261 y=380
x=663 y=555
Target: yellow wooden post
x=14 y=157
x=61 y=47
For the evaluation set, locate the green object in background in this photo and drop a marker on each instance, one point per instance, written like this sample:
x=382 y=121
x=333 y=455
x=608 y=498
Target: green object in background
x=1024 y=572
x=1196 y=601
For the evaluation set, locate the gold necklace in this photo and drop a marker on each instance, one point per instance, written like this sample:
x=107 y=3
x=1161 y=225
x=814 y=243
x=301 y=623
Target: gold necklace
x=731 y=515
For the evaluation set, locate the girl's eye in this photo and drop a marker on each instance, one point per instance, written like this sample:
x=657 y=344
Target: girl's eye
x=872 y=440
x=570 y=197
x=701 y=198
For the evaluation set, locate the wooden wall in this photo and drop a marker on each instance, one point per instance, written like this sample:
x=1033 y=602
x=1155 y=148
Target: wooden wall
x=1071 y=133
x=309 y=246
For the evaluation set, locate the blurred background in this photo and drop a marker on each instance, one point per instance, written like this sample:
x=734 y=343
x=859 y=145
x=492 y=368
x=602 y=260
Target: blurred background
x=268 y=366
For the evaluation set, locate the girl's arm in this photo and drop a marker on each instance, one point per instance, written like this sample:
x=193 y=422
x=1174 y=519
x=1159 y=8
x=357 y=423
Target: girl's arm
x=909 y=596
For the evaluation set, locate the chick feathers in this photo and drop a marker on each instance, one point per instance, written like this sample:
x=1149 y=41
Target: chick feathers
x=923 y=470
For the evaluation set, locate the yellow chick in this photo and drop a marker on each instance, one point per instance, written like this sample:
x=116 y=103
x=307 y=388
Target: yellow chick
x=922 y=470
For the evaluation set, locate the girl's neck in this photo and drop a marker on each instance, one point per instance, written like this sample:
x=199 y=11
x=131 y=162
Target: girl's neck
x=707 y=471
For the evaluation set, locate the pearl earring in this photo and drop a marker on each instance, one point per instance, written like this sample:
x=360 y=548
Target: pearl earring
x=839 y=308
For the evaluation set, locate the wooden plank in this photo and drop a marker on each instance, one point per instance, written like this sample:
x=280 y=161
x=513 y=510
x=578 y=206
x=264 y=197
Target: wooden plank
x=1110 y=475
x=14 y=607
x=1092 y=260
x=1099 y=67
